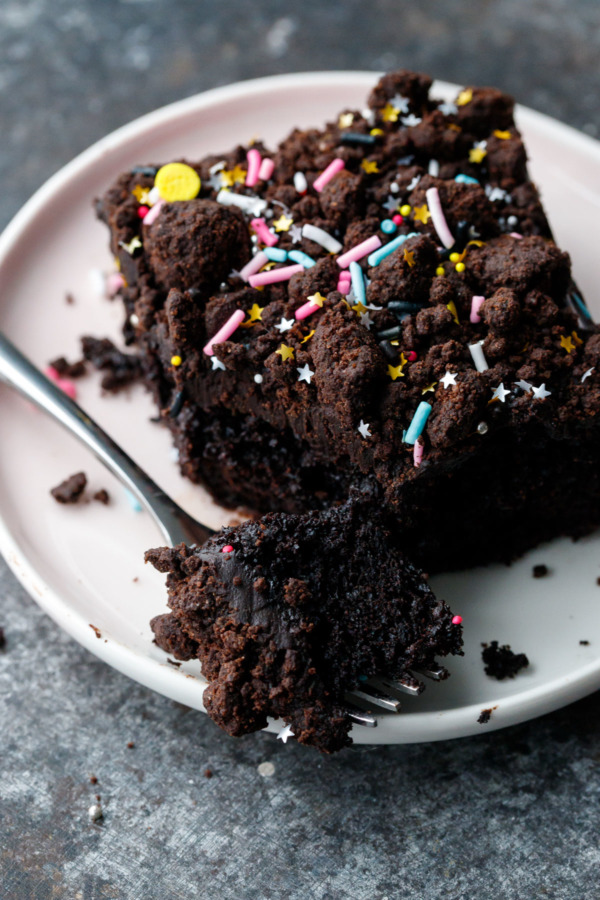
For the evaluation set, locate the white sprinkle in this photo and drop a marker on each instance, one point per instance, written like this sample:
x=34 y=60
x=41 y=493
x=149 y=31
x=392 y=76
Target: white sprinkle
x=587 y=374
x=414 y=182
x=135 y=320
x=400 y=103
x=174 y=454
x=410 y=121
x=300 y=182
x=512 y=221
x=98 y=282
x=266 y=769
x=448 y=109
x=364 y=429
x=217 y=167
x=541 y=393
x=524 y=385
x=217 y=364
x=153 y=196
x=305 y=373
x=95 y=812
x=394 y=188
x=448 y=379
x=258 y=379
x=478 y=355
x=482 y=428
x=285 y=733
x=321 y=237
x=500 y=393
x=251 y=205
x=284 y=325
x=434 y=168
x=277 y=38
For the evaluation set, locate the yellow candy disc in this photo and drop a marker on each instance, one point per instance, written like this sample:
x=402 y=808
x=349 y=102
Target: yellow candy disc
x=176 y=181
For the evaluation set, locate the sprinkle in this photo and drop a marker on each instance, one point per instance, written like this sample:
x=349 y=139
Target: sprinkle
x=266 y=169
x=476 y=304
x=154 y=213
x=95 y=812
x=388 y=226
x=440 y=270
x=541 y=393
x=305 y=373
x=300 y=182
x=133 y=245
x=359 y=251
x=448 y=379
x=500 y=393
x=65 y=384
x=358 y=282
x=380 y=254
x=405 y=209
x=451 y=307
x=267 y=237
x=411 y=356
x=465 y=179
x=354 y=137
x=587 y=374
x=285 y=352
x=422 y=213
x=302 y=258
x=313 y=303
x=482 y=428
x=308 y=337
x=448 y=109
x=502 y=135
x=176 y=361
x=327 y=174
x=369 y=166
x=409 y=257
x=418 y=422
x=396 y=371
x=411 y=120
x=345 y=120
x=477 y=154
x=457 y=620
x=430 y=388
x=258 y=378
x=275 y=275
x=321 y=237
x=217 y=364
x=177 y=181
x=363 y=428
x=295 y=234
x=417 y=454
x=438 y=218
x=255 y=264
x=143 y=211
x=516 y=235
x=284 y=325
x=251 y=205
x=114 y=283
x=275 y=254
x=397 y=219
x=140 y=193
x=567 y=343
x=134 y=503
x=390 y=113
x=460 y=267
x=285 y=733
x=464 y=97
x=479 y=359
x=283 y=223
x=225 y=332
x=227 y=549
x=255 y=312
x=230 y=177
x=266 y=769
x=254 y=162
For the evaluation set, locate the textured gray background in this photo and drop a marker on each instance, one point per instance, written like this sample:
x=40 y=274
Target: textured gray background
x=506 y=815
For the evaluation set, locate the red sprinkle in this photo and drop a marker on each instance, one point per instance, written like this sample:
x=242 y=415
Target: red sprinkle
x=229 y=549
x=397 y=219
x=456 y=620
x=411 y=356
x=143 y=211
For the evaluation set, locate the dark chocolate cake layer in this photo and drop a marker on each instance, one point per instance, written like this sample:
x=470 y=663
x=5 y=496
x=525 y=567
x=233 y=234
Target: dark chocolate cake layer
x=289 y=613
x=456 y=367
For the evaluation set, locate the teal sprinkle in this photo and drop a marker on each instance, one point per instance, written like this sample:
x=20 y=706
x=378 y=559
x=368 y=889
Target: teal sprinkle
x=303 y=258
x=375 y=258
x=358 y=283
x=388 y=227
x=466 y=179
x=133 y=502
x=275 y=254
x=418 y=422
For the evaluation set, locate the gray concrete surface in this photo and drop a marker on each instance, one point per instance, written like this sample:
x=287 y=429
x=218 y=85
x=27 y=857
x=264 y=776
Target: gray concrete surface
x=504 y=815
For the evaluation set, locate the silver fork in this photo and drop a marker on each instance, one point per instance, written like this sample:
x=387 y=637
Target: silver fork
x=175 y=524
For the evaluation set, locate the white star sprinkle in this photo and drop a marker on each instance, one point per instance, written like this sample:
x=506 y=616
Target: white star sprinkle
x=495 y=194
x=216 y=363
x=364 y=429
x=366 y=320
x=410 y=120
x=541 y=393
x=448 y=109
x=524 y=385
x=587 y=374
x=295 y=233
x=391 y=204
x=448 y=379
x=284 y=325
x=285 y=733
x=500 y=393
x=480 y=145
x=305 y=373
x=400 y=103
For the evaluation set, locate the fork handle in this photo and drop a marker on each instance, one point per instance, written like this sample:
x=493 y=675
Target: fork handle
x=19 y=373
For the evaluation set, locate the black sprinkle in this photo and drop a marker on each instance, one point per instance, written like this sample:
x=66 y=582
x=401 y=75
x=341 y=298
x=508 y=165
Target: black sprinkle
x=390 y=352
x=389 y=334
x=540 y=571
x=403 y=306
x=501 y=662
x=177 y=404
x=144 y=170
x=354 y=137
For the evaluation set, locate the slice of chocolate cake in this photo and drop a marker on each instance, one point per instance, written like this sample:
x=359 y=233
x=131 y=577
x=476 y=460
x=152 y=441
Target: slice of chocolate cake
x=289 y=613
x=376 y=301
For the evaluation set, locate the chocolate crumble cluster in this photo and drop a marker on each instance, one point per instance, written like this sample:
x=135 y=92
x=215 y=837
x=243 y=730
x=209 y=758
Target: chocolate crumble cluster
x=376 y=306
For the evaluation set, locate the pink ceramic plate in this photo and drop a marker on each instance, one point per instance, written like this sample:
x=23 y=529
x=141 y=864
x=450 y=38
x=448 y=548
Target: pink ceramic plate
x=83 y=565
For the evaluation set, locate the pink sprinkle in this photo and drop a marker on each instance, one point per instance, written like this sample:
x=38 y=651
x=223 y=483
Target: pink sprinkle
x=476 y=304
x=231 y=325
x=345 y=275
x=397 y=219
x=63 y=383
x=456 y=620
x=417 y=453
x=51 y=373
x=359 y=252
x=114 y=283
x=254 y=161
x=307 y=309
x=266 y=236
x=327 y=174
x=343 y=287
x=434 y=205
x=411 y=356
x=266 y=169
x=255 y=264
x=143 y=211
x=516 y=235
x=153 y=214
x=274 y=275
x=229 y=549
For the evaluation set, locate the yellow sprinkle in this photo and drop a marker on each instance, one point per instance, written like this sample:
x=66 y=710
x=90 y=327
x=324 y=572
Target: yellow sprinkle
x=308 y=337
x=229 y=177
x=318 y=299
x=345 y=120
x=422 y=214
x=359 y=308
x=430 y=387
x=405 y=210
x=452 y=309
x=255 y=312
x=283 y=223
x=440 y=270
x=576 y=337
x=455 y=257
x=453 y=126
x=285 y=352
x=395 y=372
x=477 y=154
x=376 y=132
x=503 y=135
x=409 y=257
x=176 y=360
x=176 y=181
x=370 y=166
x=567 y=343
x=390 y=113
x=141 y=194
x=464 y=97
x=460 y=267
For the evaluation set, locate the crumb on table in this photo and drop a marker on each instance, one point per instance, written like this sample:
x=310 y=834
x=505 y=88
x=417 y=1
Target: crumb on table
x=71 y=489
x=501 y=662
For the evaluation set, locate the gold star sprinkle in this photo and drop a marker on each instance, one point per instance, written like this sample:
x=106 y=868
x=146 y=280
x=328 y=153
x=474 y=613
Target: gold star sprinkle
x=451 y=307
x=409 y=257
x=390 y=113
x=567 y=343
x=229 y=177
x=464 y=97
x=308 y=337
x=369 y=166
x=255 y=312
x=477 y=154
x=422 y=214
x=576 y=338
x=430 y=387
x=376 y=132
x=283 y=223
x=345 y=120
x=395 y=372
x=359 y=308
x=452 y=126
x=285 y=352
x=503 y=135
x=318 y=299
x=141 y=194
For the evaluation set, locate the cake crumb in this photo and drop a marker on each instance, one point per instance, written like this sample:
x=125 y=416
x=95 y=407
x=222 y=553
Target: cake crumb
x=173 y=663
x=540 y=571
x=68 y=370
x=121 y=368
x=501 y=662
x=69 y=299
x=130 y=745
x=2 y=638
x=93 y=779
x=102 y=496
x=486 y=715
x=208 y=773
x=71 y=489
x=96 y=631
x=583 y=643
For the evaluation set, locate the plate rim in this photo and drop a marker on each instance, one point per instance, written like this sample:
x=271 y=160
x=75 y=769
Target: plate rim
x=159 y=676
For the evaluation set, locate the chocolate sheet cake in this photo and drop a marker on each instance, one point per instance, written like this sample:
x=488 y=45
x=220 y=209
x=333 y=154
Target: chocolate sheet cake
x=289 y=613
